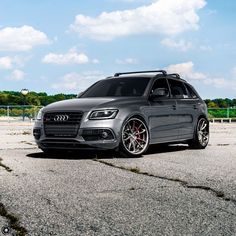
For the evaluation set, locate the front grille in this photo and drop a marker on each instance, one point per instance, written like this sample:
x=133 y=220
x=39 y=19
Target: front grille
x=62 y=124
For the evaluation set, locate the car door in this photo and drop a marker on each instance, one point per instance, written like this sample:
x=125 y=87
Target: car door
x=162 y=114
x=186 y=108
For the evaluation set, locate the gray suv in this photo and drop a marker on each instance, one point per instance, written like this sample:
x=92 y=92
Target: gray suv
x=126 y=112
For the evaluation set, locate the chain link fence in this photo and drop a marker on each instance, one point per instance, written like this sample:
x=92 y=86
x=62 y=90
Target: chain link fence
x=17 y=113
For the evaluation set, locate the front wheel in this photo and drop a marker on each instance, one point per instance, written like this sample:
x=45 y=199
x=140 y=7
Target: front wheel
x=134 y=138
x=201 y=135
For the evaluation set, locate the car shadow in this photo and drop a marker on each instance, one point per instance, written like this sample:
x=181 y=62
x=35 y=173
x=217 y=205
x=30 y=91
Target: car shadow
x=74 y=155
x=165 y=148
x=83 y=155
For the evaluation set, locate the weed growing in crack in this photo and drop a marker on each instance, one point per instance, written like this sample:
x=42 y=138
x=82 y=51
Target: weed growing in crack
x=184 y=183
x=13 y=221
x=134 y=169
x=4 y=166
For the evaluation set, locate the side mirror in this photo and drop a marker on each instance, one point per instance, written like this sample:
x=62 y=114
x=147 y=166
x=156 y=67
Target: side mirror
x=159 y=93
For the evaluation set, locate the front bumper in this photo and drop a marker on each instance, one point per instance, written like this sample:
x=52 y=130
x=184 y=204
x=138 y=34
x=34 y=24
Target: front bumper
x=90 y=135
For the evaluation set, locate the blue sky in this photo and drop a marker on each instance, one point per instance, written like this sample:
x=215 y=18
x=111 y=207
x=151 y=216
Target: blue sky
x=64 y=46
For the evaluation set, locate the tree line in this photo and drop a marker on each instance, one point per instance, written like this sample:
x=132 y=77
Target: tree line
x=221 y=103
x=43 y=99
x=32 y=98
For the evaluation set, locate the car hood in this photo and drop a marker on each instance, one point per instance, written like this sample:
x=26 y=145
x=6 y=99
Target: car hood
x=86 y=104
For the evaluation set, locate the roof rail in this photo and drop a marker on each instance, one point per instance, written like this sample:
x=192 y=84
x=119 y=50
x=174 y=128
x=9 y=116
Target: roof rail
x=141 y=72
x=175 y=75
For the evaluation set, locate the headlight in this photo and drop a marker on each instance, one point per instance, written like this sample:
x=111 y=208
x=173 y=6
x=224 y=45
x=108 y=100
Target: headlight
x=103 y=114
x=40 y=114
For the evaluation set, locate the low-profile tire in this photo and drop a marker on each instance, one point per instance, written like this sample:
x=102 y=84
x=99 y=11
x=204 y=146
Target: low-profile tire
x=201 y=134
x=134 y=138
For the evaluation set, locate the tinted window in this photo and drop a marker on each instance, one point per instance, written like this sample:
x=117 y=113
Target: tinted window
x=191 y=92
x=178 y=90
x=160 y=83
x=128 y=86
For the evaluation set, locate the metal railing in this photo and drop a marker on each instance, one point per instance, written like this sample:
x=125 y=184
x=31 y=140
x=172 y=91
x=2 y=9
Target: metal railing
x=17 y=112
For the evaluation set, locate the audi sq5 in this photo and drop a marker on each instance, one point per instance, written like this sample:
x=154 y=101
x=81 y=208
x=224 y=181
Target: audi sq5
x=126 y=113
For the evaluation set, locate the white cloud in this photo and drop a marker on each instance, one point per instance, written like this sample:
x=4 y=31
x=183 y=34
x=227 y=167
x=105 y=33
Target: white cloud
x=6 y=63
x=77 y=82
x=181 y=44
x=17 y=75
x=186 y=70
x=12 y=62
x=205 y=48
x=128 y=61
x=167 y=17
x=71 y=57
x=21 y=39
x=95 y=61
x=222 y=83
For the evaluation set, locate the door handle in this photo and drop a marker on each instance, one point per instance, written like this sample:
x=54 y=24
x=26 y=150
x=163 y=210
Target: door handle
x=174 y=107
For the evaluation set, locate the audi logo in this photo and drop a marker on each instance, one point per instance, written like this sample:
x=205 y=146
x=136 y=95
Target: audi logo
x=61 y=118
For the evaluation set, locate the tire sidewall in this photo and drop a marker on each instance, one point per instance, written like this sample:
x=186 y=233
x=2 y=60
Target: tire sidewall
x=196 y=132
x=122 y=150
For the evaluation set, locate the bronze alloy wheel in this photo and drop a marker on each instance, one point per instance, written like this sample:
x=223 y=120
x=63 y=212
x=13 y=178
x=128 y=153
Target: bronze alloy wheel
x=135 y=136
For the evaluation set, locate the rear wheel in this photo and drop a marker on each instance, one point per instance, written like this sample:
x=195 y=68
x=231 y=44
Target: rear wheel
x=134 y=138
x=201 y=135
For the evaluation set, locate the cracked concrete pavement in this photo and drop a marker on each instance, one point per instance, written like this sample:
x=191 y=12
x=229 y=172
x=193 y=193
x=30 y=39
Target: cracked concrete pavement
x=169 y=191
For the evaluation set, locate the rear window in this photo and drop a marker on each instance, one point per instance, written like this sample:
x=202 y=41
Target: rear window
x=178 y=90
x=191 y=92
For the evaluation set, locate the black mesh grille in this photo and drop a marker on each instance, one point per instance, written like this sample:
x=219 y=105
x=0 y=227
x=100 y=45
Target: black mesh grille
x=97 y=134
x=62 y=124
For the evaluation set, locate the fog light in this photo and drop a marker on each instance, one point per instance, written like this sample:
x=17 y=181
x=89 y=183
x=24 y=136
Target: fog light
x=104 y=134
x=37 y=133
x=97 y=134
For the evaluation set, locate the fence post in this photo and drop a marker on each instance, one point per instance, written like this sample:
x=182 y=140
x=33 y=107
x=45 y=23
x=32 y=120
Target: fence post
x=8 y=113
x=228 y=112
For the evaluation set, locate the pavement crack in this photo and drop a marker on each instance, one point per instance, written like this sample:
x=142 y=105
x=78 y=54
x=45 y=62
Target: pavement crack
x=8 y=169
x=13 y=221
x=185 y=184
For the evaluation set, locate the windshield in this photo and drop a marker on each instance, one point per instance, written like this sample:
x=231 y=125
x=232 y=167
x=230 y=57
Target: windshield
x=118 y=87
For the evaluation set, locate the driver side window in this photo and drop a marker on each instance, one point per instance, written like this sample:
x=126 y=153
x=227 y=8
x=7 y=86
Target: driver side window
x=160 y=88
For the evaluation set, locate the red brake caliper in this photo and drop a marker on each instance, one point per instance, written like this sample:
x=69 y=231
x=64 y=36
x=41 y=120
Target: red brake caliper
x=136 y=130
